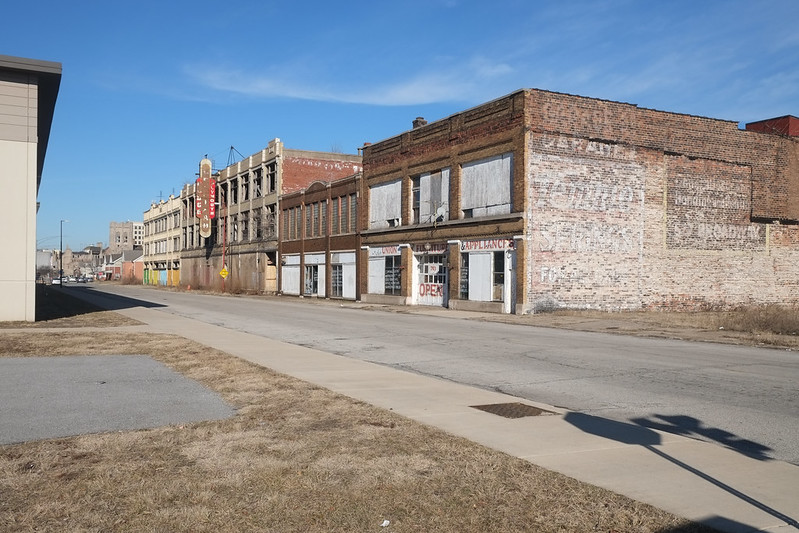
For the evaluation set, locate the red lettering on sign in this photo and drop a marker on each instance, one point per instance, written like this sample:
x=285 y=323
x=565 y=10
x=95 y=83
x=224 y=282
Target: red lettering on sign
x=431 y=289
x=212 y=199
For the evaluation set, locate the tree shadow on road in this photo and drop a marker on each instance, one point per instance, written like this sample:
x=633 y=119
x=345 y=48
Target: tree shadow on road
x=689 y=426
x=636 y=434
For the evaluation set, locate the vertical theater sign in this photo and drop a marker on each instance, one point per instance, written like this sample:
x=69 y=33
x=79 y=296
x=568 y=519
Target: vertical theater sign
x=205 y=198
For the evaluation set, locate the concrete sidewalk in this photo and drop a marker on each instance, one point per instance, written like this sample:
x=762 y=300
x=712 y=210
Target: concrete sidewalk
x=700 y=481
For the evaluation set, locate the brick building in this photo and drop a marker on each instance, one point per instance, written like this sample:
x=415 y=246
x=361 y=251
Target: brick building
x=244 y=236
x=319 y=241
x=540 y=200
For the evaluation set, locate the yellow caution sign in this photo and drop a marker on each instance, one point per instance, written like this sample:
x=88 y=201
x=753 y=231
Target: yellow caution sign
x=223 y=273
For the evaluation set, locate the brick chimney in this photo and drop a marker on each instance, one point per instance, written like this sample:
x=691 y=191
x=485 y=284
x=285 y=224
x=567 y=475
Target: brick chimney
x=419 y=122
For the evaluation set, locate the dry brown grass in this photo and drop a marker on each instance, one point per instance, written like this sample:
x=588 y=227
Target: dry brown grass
x=295 y=457
x=772 y=326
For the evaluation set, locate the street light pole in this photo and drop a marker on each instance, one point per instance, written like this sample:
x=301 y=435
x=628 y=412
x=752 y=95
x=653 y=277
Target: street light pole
x=61 y=254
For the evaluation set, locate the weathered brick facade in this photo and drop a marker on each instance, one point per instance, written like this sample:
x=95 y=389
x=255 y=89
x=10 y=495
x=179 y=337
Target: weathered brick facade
x=319 y=239
x=245 y=231
x=634 y=208
x=487 y=131
x=613 y=207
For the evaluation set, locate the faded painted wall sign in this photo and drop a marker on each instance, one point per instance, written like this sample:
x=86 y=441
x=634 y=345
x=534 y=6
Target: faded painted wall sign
x=708 y=204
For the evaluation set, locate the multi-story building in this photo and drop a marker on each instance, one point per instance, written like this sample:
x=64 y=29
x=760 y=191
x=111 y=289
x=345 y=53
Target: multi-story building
x=319 y=241
x=241 y=253
x=125 y=236
x=162 y=243
x=28 y=92
x=540 y=200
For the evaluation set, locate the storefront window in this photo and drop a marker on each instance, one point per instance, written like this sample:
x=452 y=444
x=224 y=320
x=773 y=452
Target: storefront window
x=393 y=275
x=464 y=280
x=498 y=294
x=311 y=279
x=336 y=280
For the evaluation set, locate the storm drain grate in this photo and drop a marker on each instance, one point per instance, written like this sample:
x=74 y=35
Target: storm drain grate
x=512 y=410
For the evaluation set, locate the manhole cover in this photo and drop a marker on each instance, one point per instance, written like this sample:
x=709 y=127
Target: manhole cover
x=512 y=410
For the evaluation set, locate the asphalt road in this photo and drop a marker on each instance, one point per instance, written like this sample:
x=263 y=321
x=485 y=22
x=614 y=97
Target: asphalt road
x=743 y=398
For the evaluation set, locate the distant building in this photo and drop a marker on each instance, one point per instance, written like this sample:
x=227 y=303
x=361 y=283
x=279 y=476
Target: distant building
x=81 y=263
x=112 y=267
x=46 y=265
x=28 y=92
x=125 y=236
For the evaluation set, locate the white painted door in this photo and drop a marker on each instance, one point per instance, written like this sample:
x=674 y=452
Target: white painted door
x=432 y=280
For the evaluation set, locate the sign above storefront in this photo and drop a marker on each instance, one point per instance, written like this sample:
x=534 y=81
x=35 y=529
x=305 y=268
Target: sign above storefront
x=487 y=245
x=379 y=251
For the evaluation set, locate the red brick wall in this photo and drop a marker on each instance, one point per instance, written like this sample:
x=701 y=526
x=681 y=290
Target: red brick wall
x=788 y=125
x=300 y=172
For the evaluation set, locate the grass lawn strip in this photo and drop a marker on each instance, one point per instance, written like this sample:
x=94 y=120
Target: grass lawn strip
x=296 y=457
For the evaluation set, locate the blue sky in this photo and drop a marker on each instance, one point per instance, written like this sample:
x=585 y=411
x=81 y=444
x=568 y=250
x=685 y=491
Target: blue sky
x=149 y=88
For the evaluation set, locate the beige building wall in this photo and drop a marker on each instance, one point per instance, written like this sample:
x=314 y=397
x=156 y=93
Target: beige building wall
x=162 y=242
x=24 y=130
x=18 y=269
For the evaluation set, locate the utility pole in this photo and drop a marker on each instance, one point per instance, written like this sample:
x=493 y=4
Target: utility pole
x=61 y=254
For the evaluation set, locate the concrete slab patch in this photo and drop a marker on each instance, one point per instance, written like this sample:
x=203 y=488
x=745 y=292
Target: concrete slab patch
x=52 y=397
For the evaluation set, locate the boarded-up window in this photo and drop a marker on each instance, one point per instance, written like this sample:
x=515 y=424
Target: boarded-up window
x=486 y=186
x=385 y=204
x=430 y=197
x=376 y=275
x=480 y=277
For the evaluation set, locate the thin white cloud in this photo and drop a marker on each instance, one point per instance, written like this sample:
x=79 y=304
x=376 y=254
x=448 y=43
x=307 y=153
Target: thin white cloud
x=458 y=82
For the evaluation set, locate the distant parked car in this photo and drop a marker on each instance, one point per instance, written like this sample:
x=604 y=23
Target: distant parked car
x=56 y=281
x=72 y=279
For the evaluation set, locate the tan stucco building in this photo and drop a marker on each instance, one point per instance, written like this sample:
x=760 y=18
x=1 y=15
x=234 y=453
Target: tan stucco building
x=162 y=246
x=28 y=92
